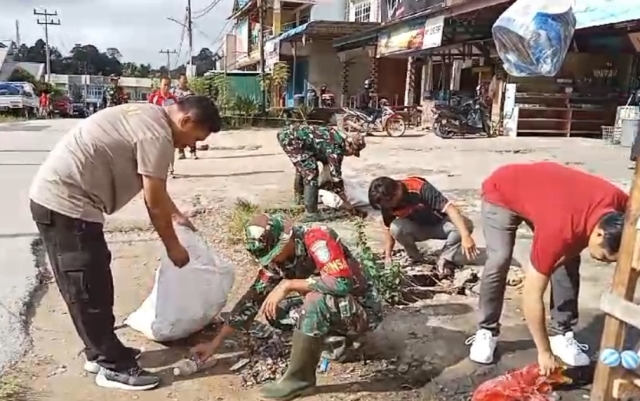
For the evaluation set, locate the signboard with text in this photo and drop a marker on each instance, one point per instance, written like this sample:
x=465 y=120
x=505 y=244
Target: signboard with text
x=433 y=29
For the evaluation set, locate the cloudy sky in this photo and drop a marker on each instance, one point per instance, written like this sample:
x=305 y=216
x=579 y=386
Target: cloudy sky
x=138 y=28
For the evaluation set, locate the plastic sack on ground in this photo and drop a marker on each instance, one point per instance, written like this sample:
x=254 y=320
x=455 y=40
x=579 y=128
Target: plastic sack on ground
x=183 y=301
x=525 y=384
x=357 y=192
x=532 y=36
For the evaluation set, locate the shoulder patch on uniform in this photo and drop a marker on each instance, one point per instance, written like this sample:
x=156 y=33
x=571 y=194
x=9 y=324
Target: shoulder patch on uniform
x=321 y=251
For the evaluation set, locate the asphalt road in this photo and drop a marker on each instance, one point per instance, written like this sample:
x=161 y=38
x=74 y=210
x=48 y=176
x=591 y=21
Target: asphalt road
x=23 y=147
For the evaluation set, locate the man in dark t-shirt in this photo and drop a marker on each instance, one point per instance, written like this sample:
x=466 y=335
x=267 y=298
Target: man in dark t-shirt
x=569 y=210
x=413 y=210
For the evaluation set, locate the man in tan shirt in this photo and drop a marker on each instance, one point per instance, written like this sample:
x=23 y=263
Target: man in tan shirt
x=96 y=169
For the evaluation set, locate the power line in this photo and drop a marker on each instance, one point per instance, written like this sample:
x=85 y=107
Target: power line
x=207 y=9
x=46 y=22
x=184 y=27
x=168 y=53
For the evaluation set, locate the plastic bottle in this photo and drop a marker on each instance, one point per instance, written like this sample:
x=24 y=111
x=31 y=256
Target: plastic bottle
x=192 y=365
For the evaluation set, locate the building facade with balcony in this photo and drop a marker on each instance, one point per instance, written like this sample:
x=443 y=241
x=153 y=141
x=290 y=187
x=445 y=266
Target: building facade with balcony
x=300 y=33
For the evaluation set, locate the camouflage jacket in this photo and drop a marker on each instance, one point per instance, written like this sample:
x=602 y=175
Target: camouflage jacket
x=322 y=259
x=115 y=95
x=326 y=144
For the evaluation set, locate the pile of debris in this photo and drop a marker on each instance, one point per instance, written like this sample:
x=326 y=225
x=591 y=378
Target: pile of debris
x=267 y=356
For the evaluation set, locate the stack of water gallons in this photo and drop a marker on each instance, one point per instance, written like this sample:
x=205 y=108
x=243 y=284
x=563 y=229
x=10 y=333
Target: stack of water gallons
x=532 y=36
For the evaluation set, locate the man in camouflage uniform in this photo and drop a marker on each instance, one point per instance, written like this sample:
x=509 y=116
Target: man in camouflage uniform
x=306 y=146
x=115 y=93
x=335 y=297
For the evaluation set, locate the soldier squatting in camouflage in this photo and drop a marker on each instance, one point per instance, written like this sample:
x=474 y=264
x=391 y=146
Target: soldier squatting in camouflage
x=342 y=301
x=115 y=95
x=306 y=146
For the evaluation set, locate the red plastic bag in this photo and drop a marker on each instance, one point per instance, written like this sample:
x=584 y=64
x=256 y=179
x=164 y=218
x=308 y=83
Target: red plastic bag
x=525 y=384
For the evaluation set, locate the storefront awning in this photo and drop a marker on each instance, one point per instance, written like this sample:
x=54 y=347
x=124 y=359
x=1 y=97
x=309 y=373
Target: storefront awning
x=325 y=30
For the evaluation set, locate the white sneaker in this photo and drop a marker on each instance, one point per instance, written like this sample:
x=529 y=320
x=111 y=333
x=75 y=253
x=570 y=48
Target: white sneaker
x=483 y=346
x=569 y=350
x=91 y=367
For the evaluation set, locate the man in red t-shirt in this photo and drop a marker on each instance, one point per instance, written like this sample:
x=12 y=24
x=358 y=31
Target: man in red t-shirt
x=568 y=210
x=44 y=103
x=163 y=97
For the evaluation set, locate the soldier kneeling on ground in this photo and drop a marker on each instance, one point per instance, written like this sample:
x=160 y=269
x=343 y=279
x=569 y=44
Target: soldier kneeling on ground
x=306 y=146
x=332 y=296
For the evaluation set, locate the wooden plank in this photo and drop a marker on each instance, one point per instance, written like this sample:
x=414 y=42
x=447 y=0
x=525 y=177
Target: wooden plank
x=621 y=309
x=623 y=285
x=626 y=388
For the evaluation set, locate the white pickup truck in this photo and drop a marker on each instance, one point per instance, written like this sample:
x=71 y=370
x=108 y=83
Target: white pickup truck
x=18 y=97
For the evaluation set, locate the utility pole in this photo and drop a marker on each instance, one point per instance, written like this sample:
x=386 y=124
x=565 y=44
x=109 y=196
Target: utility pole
x=261 y=15
x=18 y=41
x=190 y=37
x=46 y=21
x=169 y=53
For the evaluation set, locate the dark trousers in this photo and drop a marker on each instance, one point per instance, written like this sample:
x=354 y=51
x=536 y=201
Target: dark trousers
x=80 y=261
x=500 y=225
x=372 y=112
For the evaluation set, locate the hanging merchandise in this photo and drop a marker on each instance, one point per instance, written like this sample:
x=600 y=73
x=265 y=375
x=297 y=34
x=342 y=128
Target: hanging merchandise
x=532 y=37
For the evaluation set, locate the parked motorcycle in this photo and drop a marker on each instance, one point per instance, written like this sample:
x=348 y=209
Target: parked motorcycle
x=327 y=99
x=390 y=122
x=470 y=118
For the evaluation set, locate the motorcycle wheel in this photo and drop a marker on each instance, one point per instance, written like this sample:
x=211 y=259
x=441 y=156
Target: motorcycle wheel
x=441 y=130
x=350 y=118
x=395 y=126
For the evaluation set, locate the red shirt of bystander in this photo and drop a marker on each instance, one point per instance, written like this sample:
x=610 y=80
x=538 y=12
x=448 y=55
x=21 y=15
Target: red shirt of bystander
x=563 y=204
x=44 y=100
x=162 y=99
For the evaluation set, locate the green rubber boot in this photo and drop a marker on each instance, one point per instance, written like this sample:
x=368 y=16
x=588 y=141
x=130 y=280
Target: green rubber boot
x=300 y=376
x=311 y=203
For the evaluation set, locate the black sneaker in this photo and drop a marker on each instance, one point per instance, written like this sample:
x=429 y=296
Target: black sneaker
x=134 y=379
x=93 y=367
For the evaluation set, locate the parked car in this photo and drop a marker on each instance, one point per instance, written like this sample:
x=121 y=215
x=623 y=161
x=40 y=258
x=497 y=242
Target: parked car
x=63 y=106
x=79 y=110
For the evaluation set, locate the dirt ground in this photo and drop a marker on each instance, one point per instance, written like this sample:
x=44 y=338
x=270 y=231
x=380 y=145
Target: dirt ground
x=423 y=343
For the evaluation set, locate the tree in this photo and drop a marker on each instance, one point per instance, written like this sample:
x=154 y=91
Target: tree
x=88 y=59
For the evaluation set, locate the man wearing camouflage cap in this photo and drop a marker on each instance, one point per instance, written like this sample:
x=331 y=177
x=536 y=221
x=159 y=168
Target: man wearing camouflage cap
x=306 y=146
x=115 y=93
x=335 y=297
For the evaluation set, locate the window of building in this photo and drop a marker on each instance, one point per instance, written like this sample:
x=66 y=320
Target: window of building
x=361 y=11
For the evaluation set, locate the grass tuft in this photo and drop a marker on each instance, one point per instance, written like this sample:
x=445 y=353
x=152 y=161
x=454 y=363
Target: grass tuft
x=13 y=389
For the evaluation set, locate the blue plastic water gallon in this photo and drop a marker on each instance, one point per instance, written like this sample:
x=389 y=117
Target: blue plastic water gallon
x=532 y=38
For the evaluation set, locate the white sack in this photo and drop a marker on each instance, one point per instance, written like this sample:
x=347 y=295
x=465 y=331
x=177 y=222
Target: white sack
x=183 y=301
x=357 y=192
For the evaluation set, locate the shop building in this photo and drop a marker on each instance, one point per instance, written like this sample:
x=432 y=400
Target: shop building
x=447 y=48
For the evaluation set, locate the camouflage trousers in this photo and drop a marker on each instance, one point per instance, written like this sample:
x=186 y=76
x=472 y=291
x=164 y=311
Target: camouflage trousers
x=305 y=162
x=319 y=315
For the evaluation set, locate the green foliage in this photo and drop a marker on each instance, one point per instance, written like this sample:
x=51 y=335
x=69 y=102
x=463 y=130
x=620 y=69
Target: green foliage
x=387 y=279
